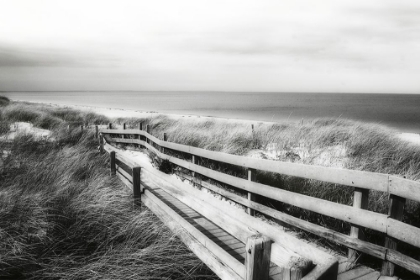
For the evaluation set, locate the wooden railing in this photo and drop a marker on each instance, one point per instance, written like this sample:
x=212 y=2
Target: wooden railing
x=398 y=189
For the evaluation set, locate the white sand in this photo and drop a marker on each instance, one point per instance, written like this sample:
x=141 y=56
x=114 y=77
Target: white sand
x=19 y=128
x=125 y=113
x=410 y=137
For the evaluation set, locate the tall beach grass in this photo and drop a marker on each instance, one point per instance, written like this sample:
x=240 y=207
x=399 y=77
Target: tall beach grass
x=62 y=216
x=363 y=146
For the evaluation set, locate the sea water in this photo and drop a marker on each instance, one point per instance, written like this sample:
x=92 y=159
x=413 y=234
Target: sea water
x=400 y=111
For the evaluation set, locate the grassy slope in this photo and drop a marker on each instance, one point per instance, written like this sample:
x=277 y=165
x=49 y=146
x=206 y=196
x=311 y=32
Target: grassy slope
x=369 y=147
x=63 y=217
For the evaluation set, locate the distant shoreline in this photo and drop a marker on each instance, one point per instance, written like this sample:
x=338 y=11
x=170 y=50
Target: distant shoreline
x=126 y=113
x=393 y=110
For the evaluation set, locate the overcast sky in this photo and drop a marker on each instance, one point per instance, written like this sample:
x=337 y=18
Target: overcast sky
x=175 y=45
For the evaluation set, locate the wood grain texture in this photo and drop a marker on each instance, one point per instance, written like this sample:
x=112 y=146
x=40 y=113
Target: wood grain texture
x=359 y=245
x=257 y=260
x=202 y=204
x=112 y=158
x=355 y=178
x=201 y=251
x=386 y=183
x=136 y=184
x=204 y=240
x=124 y=173
x=398 y=230
x=360 y=201
x=369 y=219
x=252 y=176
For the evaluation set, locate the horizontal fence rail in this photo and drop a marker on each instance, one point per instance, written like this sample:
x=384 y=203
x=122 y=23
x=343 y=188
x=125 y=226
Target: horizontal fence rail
x=390 y=225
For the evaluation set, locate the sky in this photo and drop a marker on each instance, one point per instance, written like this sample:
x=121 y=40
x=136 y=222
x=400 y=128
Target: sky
x=217 y=45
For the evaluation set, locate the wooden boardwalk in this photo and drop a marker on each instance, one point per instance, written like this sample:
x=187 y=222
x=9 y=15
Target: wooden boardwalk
x=222 y=238
x=236 y=248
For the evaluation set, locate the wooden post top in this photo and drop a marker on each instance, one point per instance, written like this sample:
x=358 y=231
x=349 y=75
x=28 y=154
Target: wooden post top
x=257 y=257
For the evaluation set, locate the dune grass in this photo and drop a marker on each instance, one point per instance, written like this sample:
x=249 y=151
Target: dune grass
x=4 y=101
x=48 y=117
x=82 y=196
x=63 y=217
x=366 y=146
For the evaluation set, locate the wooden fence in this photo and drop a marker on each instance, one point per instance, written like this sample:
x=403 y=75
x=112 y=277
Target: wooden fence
x=391 y=225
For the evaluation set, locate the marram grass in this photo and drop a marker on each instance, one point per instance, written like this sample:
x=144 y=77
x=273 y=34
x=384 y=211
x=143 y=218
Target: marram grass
x=63 y=217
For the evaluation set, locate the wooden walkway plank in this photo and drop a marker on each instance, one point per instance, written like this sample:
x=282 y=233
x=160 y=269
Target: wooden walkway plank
x=209 y=258
x=227 y=259
x=374 y=275
x=355 y=273
x=345 y=265
x=220 y=237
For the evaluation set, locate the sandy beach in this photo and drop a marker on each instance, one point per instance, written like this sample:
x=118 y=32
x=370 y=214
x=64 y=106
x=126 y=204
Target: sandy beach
x=123 y=113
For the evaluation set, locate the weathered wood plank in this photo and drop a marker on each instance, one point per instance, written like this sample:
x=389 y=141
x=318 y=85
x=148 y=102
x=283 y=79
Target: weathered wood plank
x=322 y=269
x=404 y=261
x=374 y=275
x=355 y=273
x=101 y=143
x=345 y=266
x=202 y=252
x=136 y=184
x=404 y=232
x=405 y=188
x=360 y=200
x=212 y=246
x=124 y=180
x=355 y=178
x=196 y=199
x=124 y=173
x=369 y=219
x=257 y=259
x=359 y=245
x=252 y=176
x=112 y=157
x=397 y=230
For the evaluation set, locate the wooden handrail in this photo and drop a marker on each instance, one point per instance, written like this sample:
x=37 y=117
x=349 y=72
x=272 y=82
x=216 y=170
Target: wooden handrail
x=390 y=184
x=355 y=178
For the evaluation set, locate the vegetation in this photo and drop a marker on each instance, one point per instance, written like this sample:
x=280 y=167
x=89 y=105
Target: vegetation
x=48 y=117
x=63 y=217
x=328 y=142
x=4 y=101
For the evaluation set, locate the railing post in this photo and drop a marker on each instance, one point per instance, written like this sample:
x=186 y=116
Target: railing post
x=110 y=126
x=257 y=257
x=101 y=143
x=96 y=132
x=141 y=126
x=194 y=161
x=113 y=167
x=252 y=176
x=148 y=131
x=360 y=200
x=124 y=127
x=165 y=138
x=396 y=211
x=136 y=185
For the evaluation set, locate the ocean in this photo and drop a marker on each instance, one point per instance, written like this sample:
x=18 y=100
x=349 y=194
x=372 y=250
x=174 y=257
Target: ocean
x=400 y=111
